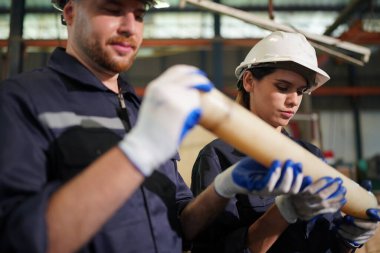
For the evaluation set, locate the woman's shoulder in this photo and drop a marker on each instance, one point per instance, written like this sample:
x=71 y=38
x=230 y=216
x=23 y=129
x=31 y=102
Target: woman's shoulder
x=221 y=150
x=217 y=145
x=310 y=147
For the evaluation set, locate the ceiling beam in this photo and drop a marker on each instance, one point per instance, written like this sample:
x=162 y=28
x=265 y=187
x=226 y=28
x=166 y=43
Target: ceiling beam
x=357 y=34
x=354 y=7
x=355 y=91
x=147 y=42
x=368 y=40
x=279 y=8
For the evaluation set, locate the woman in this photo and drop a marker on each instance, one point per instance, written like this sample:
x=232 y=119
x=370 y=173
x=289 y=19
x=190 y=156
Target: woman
x=271 y=82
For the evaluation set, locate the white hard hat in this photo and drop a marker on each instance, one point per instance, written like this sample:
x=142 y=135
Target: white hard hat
x=280 y=47
x=59 y=4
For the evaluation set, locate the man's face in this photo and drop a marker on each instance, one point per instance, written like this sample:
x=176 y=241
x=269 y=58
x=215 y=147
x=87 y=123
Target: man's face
x=105 y=35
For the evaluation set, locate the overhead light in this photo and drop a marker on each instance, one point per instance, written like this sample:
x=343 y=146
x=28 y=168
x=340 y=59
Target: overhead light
x=161 y=4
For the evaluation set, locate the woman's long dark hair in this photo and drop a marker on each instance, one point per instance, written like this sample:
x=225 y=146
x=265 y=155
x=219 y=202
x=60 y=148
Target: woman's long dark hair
x=259 y=73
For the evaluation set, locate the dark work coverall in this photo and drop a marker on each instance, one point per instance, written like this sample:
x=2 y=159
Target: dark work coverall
x=54 y=122
x=229 y=232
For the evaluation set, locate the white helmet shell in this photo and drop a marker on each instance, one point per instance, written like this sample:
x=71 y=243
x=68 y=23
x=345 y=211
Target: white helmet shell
x=59 y=4
x=284 y=46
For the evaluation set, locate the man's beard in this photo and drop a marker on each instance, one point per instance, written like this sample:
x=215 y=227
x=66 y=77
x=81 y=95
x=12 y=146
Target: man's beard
x=94 y=51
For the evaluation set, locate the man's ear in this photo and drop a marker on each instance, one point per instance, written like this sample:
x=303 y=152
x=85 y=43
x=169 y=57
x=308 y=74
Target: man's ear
x=68 y=12
x=248 y=81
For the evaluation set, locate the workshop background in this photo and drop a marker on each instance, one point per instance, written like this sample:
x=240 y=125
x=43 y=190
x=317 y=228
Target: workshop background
x=342 y=117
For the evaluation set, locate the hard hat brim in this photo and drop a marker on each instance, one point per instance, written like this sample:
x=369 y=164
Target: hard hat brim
x=321 y=76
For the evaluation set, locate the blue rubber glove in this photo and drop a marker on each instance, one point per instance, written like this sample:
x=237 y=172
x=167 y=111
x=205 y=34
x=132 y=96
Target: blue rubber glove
x=250 y=177
x=326 y=195
x=171 y=107
x=355 y=231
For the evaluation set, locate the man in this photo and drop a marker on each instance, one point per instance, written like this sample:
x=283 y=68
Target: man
x=72 y=180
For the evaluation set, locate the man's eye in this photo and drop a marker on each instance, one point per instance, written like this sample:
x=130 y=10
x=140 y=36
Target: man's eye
x=113 y=11
x=140 y=16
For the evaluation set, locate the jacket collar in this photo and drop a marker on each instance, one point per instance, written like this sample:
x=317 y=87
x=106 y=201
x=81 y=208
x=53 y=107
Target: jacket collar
x=62 y=62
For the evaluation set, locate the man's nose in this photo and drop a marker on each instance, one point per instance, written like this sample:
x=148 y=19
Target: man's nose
x=127 y=24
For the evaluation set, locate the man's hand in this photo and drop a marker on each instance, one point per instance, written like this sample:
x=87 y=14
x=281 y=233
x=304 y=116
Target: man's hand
x=326 y=195
x=171 y=107
x=250 y=177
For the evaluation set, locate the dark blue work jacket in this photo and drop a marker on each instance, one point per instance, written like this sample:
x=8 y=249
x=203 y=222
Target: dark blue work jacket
x=229 y=231
x=54 y=122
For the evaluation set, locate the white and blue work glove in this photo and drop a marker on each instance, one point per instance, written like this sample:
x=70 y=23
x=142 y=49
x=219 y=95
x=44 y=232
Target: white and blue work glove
x=355 y=231
x=249 y=177
x=171 y=107
x=326 y=195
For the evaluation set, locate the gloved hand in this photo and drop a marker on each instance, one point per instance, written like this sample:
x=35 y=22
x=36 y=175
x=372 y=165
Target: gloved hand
x=326 y=195
x=357 y=231
x=170 y=108
x=249 y=177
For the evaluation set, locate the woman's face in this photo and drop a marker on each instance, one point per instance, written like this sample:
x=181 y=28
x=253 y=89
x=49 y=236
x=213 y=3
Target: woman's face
x=276 y=97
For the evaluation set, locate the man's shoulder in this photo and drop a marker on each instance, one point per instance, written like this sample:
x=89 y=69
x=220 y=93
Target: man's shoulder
x=30 y=78
x=35 y=86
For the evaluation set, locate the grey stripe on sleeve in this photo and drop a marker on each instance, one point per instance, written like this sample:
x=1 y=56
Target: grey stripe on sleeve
x=60 y=120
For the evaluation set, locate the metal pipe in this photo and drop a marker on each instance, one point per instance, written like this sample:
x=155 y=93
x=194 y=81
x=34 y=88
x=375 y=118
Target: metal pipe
x=324 y=43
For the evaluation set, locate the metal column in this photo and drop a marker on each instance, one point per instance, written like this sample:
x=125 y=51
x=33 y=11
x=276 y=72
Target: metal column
x=15 y=41
x=356 y=114
x=217 y=53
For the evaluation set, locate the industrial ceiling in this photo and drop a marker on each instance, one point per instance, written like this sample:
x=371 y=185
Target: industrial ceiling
x=317 y=16
x=178 y=28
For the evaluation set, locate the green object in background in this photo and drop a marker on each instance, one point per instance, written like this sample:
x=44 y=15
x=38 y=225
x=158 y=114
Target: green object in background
x=362 y=167
x=375 y=185
x=362 y=170
x=363 y=174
